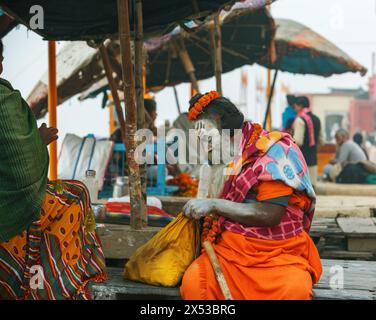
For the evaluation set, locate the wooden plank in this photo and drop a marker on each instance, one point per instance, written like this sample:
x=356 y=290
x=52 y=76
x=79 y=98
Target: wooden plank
x=357 y=275
x=357 y=226
x=327 y=294
x=359 y=282
x=121 y=241
x=361 y=244
x=117 y=287
x=328 y=188
x=348 y=255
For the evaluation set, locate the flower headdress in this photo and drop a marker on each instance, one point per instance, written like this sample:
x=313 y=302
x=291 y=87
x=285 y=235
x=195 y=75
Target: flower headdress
x=204 y=101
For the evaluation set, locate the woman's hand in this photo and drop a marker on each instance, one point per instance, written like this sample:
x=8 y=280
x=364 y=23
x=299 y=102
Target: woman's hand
x=48 y=134
x=198 y=208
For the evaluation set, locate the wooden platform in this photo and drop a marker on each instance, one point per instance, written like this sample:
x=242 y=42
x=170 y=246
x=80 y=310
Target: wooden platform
x=345 y=206
x=332 y=189
x=341 y=238
x=345 y=238
x=359 y=283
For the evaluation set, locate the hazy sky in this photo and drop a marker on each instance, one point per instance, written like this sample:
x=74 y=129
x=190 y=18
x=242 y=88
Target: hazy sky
x=349 y=24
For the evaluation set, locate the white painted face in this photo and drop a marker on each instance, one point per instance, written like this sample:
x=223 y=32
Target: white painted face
x=208 y=133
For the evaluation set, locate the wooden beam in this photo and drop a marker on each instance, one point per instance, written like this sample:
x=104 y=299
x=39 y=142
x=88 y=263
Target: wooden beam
x=52 y=105
x=216 y=39
x=138 y=215
x=139 y=82
x=270 y=93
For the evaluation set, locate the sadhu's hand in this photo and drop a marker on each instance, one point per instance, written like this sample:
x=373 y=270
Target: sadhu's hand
x=48 y=134
x=197 y=208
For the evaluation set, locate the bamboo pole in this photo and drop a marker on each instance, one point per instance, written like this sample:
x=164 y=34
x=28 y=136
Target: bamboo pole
x=140 y=74
x=217 y=49
x=52 y=105
x=270 y=97
x=138 y=216
x=187 y=63
x=268 y=92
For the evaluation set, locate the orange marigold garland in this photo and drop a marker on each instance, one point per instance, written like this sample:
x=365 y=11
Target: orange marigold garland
x=197 y=108
x=211 y=228
x=187 y=185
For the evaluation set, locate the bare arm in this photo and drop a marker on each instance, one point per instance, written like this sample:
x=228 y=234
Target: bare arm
x=256 y=214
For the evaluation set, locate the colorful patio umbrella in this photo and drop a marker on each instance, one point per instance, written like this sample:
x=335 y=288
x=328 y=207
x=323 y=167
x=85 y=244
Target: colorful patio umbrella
x=301 y=50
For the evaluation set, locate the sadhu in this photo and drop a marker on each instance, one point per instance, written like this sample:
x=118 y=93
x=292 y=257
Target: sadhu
x=258 y=217
x=48 y=245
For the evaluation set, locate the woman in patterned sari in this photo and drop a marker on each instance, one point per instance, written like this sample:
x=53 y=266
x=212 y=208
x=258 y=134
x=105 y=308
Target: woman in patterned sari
x=48 y=245
x=259 y=216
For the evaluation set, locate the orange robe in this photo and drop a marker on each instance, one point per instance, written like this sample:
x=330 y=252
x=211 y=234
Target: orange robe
x=258 y=269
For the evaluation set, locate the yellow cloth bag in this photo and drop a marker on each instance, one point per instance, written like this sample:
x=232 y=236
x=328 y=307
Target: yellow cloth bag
x=163 y=260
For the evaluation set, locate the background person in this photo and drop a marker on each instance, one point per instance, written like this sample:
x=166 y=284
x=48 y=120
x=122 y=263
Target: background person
x=289 y=114
x=307 y=134
x=358 y=139
x=347 y=152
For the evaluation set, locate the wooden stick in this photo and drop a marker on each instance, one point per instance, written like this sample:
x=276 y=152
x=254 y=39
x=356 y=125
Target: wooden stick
x=217 y=270
x=177 y=100
x=138 y=214
x=216 y=37
x=140 y=89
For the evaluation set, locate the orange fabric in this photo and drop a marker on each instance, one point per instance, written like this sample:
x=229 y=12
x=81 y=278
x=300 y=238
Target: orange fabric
x=273 y=189
x=62 y=221
x=256 y=269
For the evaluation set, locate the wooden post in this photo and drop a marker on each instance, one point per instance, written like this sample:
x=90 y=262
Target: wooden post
x=268 y=92
x=216 y=39
x=140 y=74
x=187 y=63
x=138 y=215
x=52 y=105
x=270 y=97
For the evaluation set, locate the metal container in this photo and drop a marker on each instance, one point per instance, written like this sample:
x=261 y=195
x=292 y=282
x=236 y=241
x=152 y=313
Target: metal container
x=121 y=187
